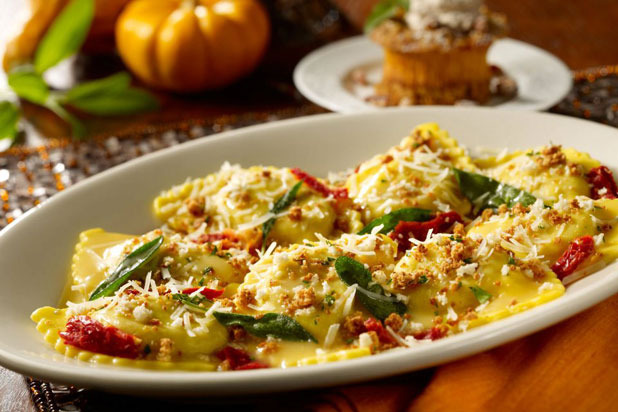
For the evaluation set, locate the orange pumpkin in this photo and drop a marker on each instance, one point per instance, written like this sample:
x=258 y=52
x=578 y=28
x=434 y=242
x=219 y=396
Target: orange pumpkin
x=21 y=49
x=192 y=45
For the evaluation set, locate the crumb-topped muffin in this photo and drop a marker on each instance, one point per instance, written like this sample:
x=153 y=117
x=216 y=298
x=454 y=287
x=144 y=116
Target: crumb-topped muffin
x=435 y=53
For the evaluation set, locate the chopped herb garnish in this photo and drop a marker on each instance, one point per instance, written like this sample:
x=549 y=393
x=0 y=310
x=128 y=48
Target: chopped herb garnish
x=481 y=295
x=512 y=261
x=456 y=238
x=422 y=280
x=127 y=268
x=468 y=260
x=215 y=250
x=328 y=261
x=201 y=282
x=384 y=10
x=147 y=349
x=207 y=270
x=329 y=299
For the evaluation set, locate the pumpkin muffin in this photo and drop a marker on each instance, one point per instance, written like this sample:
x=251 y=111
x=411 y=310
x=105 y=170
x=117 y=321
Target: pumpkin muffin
x=435 y=53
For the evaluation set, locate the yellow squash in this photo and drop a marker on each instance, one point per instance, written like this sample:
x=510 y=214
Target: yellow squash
x=192 y=45
x=21 y=49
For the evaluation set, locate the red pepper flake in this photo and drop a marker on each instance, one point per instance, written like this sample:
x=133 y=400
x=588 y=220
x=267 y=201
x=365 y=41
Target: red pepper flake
x=86 y=333
x=418 y=230
x=239 y=359
x=207 y=293
x=578 y=251
x=601 y=178
x=315 y=184
x=373 y=325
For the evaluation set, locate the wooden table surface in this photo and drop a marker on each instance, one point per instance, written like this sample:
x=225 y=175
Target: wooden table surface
x=571 y=366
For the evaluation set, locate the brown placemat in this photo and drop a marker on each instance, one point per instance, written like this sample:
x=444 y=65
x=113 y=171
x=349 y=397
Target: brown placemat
x=28 y=176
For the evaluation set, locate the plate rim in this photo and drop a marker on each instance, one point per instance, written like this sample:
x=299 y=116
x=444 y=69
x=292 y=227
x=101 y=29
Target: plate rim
x=301 y=69
x=147 y=381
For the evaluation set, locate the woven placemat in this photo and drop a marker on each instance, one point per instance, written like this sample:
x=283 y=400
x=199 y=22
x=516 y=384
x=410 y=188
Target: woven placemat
x=28 y=176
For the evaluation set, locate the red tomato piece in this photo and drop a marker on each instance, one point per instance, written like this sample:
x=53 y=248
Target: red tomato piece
x=239 y=359
x=418 y=230
x=603 y=184
x=315 y=184
x=86 y=333
x=578 y=251
x=207 y=293
x=376 y=326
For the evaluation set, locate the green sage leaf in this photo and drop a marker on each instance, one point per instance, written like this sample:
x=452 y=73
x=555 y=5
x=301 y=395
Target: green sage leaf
x=65 y=35
x=111 y=97
x=485 y=192
x=28 y=85
x=384 y=10
x=481 y=295
x=130 y=264
x=370 y=295
x=280 y=205
x=9 y=116
x=390 y=220
x=271 y=324
x=116 y=82
x=193 y=302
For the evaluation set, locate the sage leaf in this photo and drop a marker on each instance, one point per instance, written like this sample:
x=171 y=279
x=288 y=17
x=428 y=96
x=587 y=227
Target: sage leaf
x=271 y=324
x=65 y=35
x=485 y=192
x=384 y=10
x=192 y=302
x=130 y=264
x=9 y=116
x=116 y=82
x=352 y=272
x=112 y=102
x=390 y=220
x=481 y=295
x=28 y=85
x=280 y=205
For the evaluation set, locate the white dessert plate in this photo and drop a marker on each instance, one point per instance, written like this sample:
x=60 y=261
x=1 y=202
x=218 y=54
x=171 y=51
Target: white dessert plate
x=325 y=76
x=35 y=251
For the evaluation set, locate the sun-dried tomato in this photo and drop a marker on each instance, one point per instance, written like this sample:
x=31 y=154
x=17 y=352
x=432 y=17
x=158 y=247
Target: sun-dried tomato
x=86 y=333
x=315 y=184
x=376 y=326
x=419 y=230
x=238 y=359
x=578 y=251
x=207 y=293
x=435 y=333
x=603 y=184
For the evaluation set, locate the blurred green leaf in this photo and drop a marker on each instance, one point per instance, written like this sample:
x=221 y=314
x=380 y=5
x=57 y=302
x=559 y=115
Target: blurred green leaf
x=28 y=85
x=115 y=102
x=66 y=34
x=9 y=116
x=117 y=82
x=384 y=10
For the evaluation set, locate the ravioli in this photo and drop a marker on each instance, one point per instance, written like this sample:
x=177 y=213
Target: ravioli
x=547 y=172
x=417 y=173
x=241 y=200
x=451 y=282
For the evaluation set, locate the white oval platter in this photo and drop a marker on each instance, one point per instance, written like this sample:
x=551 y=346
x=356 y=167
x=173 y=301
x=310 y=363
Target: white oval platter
x=35 y=251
